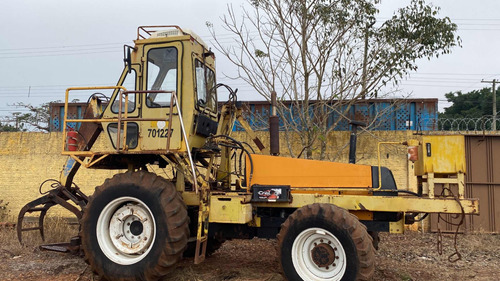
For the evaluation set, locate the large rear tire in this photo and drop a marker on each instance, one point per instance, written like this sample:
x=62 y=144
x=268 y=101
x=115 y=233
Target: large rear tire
x=323 y=242
x=135 y=227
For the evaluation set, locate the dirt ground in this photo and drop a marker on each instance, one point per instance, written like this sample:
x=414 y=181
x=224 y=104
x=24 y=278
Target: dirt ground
x=412 y=256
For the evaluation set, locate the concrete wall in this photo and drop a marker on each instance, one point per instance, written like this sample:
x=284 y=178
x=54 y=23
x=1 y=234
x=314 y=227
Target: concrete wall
x=27 y=159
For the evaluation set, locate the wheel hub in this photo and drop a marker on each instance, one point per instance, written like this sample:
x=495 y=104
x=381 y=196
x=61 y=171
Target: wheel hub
x=136 y=228
x=318 y=255
x=323 y=255
x=131 y=228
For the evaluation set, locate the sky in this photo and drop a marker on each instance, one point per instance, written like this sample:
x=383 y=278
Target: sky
x=50 y=45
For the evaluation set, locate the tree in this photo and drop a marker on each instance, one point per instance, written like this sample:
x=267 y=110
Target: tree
x=469 y=111
x=37 y=119
x=324 y=55
x=474 y=104
x=6 y=127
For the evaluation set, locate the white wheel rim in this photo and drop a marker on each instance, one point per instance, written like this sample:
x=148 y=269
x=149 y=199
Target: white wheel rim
x=305 y=249
x=126 y=230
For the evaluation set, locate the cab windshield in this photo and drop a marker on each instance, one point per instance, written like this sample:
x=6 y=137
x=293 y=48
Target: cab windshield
x=162 y=76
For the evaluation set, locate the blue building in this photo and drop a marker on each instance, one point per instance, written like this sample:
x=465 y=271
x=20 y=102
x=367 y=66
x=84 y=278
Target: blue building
x=389 y=114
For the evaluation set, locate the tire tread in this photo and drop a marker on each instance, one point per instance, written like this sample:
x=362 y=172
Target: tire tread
x=344 y=219
x=176 y=220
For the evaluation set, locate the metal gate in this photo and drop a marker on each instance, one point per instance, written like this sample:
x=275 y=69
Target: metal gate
x=482 y=181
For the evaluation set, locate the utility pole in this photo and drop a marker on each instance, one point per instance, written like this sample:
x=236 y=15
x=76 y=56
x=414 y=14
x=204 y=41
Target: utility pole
x=365 y=59
x=494 y=123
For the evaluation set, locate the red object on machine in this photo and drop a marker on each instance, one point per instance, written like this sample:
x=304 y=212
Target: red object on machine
x=413 y=153
x=72 y=142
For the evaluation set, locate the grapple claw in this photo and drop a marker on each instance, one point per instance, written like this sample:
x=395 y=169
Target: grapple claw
x=57 y=196
x=41 y=205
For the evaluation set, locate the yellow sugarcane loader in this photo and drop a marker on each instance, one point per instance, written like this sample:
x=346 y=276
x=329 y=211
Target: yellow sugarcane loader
x=138 y=224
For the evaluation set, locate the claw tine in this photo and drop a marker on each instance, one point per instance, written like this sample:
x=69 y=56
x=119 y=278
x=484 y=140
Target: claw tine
x=19 y=225
x=40 y=224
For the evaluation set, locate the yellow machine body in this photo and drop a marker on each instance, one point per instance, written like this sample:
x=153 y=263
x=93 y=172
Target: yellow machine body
x=443 y=154
x=230 y=208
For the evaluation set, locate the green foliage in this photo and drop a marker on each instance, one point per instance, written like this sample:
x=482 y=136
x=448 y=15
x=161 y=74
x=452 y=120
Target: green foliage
x=414 y=32
x=332 y=52
x=474 y=104
x=260 y=54
x=4 y=211
x=36 y=119
x=471 y=110
x=6 y=127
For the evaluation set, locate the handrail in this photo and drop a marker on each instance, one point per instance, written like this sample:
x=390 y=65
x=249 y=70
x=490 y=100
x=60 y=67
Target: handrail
x=148 y=29
x=66 y=98
x=195 y=182
x=125 y=119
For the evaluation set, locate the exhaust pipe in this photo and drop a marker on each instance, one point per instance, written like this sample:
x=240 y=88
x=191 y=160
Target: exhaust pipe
x=353 y=139
x=274 y=127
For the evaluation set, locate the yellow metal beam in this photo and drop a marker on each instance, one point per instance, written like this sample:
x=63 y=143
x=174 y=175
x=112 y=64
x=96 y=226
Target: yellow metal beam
x=383 y=203
x=370 y=203
x=250 y=132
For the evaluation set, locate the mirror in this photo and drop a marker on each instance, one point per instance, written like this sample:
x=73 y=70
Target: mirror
x=127 y=58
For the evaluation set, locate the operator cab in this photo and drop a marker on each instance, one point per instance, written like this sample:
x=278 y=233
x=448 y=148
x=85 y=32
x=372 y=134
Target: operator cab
x=165 y=61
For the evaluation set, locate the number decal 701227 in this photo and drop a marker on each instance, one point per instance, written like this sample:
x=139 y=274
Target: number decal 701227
x=159 y=133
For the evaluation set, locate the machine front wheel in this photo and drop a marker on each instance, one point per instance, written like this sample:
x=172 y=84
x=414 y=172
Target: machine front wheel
x=324 y=242
x=135 y=227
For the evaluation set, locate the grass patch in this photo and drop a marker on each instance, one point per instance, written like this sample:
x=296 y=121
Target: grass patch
x=4 y=210
x=57 y=230
x=406 y=277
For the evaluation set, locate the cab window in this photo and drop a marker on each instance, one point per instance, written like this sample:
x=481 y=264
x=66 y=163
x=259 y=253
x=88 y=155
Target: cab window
x=162 y=75
x=129 y=84
x=205 y=86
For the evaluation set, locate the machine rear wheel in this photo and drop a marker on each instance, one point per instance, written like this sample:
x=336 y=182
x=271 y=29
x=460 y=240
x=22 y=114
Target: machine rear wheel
x=135 y=227
x=323 y=242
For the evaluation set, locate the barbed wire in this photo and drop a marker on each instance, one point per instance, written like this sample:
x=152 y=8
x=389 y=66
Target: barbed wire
x=461 y=124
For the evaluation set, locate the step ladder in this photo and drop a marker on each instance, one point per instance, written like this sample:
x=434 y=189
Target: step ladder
x=203 y=213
